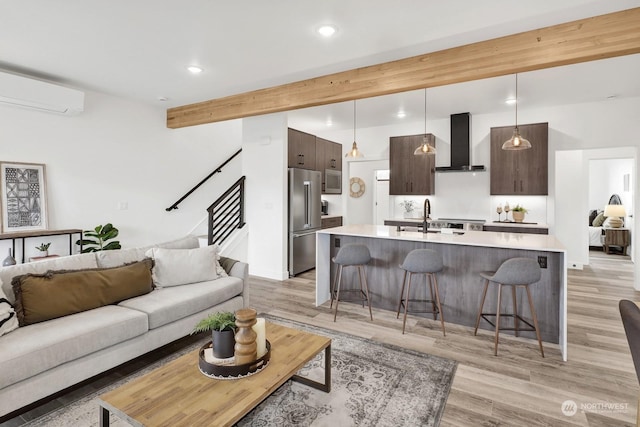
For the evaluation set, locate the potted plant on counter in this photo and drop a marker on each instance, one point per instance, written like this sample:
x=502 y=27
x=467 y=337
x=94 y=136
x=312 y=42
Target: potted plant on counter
x=44 y=249
x=409 y=206
x=518 y=213
x=223 y=328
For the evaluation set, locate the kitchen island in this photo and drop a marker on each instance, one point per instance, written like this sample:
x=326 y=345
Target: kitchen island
x=465 y=254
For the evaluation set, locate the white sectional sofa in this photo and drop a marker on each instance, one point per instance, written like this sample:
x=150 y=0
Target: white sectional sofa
x=40 y=359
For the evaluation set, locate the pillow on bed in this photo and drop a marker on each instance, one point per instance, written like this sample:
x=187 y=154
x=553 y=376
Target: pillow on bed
x=599 y=220
x=592 y=215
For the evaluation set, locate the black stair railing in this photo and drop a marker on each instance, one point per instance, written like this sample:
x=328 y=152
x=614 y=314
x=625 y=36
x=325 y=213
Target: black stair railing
x=215 y=171
x=227 y=213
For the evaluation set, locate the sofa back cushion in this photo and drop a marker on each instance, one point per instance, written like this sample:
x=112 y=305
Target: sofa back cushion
x=73 y=262
x=41 y=297
x=174 y=267
x=186 y=242
x=108 y=259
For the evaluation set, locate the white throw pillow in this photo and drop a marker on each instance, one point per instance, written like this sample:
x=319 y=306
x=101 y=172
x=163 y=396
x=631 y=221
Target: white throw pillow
x=8 y=319
x=174 y=267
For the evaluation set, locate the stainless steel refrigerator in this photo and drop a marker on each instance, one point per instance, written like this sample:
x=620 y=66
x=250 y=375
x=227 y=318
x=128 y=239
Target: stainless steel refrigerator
x=305 y=187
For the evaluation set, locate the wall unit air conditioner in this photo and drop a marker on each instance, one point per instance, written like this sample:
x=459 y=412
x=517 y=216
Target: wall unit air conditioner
x=34 y=94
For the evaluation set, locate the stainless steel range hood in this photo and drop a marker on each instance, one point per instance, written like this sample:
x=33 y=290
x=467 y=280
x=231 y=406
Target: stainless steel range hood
x=460 y=146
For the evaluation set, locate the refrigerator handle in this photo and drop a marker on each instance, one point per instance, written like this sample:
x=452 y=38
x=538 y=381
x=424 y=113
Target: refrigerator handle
x=307 y=201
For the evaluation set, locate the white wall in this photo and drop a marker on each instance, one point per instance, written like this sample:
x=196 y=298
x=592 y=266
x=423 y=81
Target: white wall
x=120 y=151
x=264 y=149
x=606 y=177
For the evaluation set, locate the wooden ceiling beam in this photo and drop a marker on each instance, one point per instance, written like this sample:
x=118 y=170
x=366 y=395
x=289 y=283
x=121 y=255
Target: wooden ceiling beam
x=599 y=37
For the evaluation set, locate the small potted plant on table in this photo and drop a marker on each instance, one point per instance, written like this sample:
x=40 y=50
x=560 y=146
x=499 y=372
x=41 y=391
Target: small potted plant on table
x=44 y=249
x=223 y=328
x=518 y=213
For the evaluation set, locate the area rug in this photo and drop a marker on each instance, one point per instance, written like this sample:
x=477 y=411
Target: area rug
x=372 y=385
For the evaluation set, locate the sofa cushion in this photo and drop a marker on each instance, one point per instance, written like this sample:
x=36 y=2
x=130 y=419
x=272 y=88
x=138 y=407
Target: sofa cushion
x=174 y=267
x=41 y=297
x=187 y=242
x=32 y=349
x=107 y=259
x=8 y=318
x=73 y=262
x=165 y=305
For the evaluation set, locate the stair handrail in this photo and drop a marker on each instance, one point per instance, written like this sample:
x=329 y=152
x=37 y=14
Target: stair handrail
x=215 y=171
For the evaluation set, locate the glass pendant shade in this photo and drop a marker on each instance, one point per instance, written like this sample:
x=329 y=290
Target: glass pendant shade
x=425 y=148
x=516 y=142
x=354 y=152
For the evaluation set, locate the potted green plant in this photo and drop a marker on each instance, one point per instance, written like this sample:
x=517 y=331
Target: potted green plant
x=96 y=240
x=44 y=249
x=518 y=213
x=223 y=328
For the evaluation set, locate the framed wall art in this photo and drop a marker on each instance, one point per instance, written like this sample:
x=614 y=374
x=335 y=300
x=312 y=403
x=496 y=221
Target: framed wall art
x=24 y=201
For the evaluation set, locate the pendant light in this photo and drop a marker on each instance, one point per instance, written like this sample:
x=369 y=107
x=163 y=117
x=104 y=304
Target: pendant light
x=354 y=152
x=425 y=148
x=516 y=142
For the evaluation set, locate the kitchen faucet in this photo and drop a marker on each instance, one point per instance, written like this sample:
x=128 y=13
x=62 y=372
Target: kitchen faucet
x=426 y=212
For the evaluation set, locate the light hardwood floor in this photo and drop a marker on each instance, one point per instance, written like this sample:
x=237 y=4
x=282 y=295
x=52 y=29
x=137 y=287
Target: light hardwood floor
x=518 y=387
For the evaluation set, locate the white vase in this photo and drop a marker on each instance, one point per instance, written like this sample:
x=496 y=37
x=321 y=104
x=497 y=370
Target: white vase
x=408 y=214
x=43 y=253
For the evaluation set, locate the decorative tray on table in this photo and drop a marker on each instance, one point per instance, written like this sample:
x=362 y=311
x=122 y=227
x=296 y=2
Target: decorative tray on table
x=231 y=371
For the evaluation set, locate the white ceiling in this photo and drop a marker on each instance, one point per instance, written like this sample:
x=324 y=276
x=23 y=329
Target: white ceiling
x=140 y=49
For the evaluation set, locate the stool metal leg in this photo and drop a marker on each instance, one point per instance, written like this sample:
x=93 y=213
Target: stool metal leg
x=366 y=290
x=495 y=350
x=406 y=305
x=361 y=281
x=484 y=295
x=435 y=281
x=515 y=309
x=535 y=320
x=404 y=279
x=335 y=314
x=335 y=283
x=429 y=279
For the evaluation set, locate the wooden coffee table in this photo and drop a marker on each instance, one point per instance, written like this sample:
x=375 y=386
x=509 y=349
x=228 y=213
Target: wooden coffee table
x=177 y=394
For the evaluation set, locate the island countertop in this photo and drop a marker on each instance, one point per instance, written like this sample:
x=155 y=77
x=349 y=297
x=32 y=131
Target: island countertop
x=534 y=242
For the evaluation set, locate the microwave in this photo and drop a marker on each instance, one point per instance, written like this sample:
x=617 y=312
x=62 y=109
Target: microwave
x=332 y=181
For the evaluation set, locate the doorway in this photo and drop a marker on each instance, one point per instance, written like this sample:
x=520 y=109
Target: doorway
x=381 y=197
x=609 y=179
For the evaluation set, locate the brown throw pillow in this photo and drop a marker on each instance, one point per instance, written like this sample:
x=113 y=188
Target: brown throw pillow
x=41 y=297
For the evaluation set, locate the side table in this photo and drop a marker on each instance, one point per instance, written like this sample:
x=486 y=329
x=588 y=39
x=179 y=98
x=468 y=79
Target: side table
x=617 y=237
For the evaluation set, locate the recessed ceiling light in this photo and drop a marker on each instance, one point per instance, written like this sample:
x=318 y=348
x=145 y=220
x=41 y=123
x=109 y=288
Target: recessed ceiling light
x=194 y=69
x=401 y=114
x=163 y=98
x=612 y=96
x=329 y=122
x=327 y=30
x=510 y=101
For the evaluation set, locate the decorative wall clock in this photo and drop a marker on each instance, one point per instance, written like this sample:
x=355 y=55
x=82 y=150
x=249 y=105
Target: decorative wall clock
x=356 y=187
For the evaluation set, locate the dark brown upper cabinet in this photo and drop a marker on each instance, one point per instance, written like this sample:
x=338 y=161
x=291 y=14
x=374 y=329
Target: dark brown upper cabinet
x=520 y=172
x=411 y=174
x=301 y=150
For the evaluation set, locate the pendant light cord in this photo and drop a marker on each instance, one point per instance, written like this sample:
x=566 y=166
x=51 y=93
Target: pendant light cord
x=425 y=112
x=354 y=120
x=516 y=100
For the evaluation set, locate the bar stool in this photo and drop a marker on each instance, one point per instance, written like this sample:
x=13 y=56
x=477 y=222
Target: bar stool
x=351 y=255
x=514 y=272
x=427 y=262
